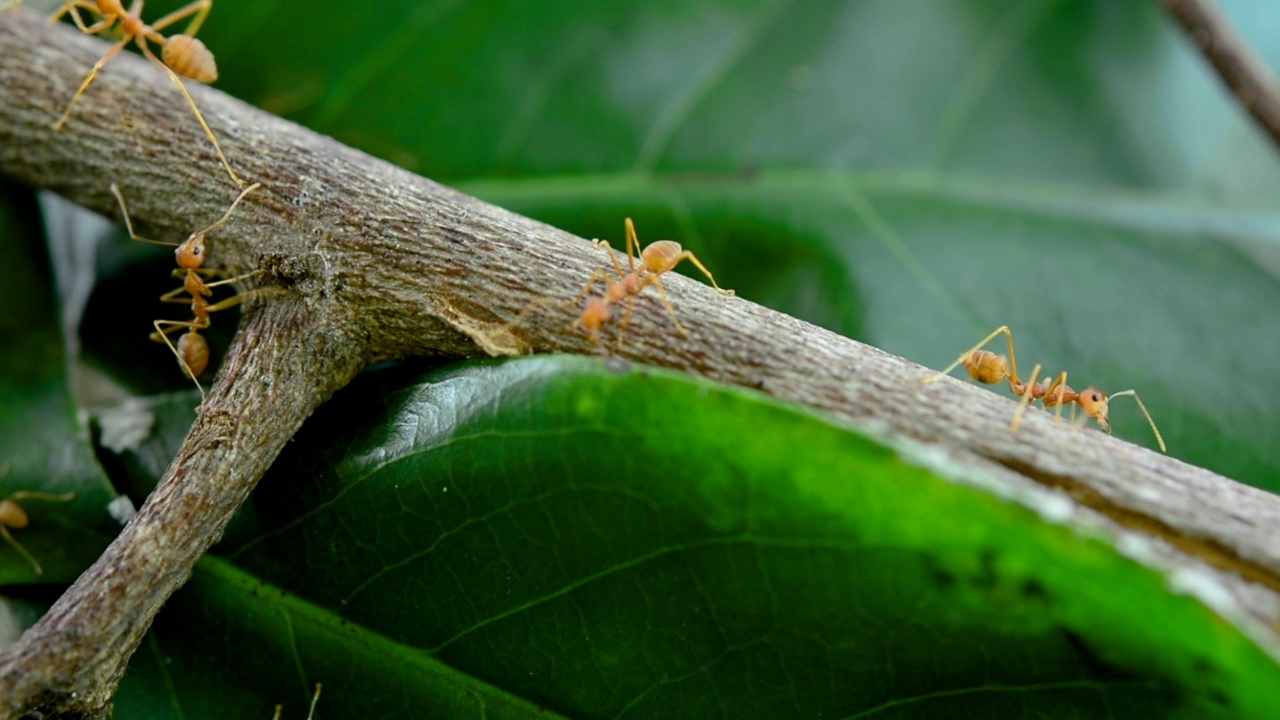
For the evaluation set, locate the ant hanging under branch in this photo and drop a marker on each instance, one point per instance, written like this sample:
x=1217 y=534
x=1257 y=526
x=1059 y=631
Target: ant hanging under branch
x=182 y=54
x=192 y=349
x=990 y=369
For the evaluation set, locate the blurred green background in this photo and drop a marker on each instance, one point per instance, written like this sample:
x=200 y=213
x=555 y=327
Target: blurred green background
x=908 y=174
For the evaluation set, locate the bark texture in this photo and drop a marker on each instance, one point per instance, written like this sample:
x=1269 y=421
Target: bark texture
x=369 y=262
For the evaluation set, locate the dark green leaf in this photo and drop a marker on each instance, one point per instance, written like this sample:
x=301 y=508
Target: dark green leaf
x=605 y=541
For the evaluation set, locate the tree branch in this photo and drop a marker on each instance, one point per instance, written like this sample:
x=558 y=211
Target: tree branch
x=1244 y=74
x=371 y=262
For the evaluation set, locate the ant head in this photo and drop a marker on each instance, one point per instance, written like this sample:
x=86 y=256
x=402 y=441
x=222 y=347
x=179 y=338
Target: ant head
x=985 y=366
x=1094 y=403
x=595 y=314
x=12 y=515
x=191 y=252
x=661 y=256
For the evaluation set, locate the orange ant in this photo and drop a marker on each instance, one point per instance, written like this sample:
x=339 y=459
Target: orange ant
x=657 y=259
x=990 y=369
x=183 y=54
x=13 y=516
x=192 y=349
x=314 y=699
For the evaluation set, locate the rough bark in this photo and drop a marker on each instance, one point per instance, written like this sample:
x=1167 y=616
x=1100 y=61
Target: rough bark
x=368 y=262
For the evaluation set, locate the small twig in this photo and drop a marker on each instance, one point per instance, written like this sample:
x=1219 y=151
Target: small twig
x=1246 y=76
x=370 y=262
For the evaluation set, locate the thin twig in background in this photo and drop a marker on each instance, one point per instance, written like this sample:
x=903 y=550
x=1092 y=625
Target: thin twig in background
x=1248 y=79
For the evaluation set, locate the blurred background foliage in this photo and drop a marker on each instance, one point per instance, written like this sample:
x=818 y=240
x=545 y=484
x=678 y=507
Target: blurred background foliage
x=910 y=175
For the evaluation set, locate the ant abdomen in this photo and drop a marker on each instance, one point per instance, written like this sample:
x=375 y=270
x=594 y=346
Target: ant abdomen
x=660 y=256
x=194 y=350
x=986 y=367
x=190 y=58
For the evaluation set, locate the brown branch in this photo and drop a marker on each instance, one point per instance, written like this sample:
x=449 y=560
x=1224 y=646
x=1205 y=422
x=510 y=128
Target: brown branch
x=371 y=262
x=1244 y=74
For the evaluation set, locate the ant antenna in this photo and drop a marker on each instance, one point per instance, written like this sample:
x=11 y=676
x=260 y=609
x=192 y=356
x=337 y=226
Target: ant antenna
x=1143 y=408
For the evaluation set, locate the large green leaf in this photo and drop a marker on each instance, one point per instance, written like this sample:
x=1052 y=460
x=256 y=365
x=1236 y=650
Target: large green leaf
x=597 y=540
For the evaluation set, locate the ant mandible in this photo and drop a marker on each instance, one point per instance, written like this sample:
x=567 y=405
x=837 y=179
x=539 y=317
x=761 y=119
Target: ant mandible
x=192 y=349
x=655 y=260
x=988 y=368
x=183 y=54
x=13 y=516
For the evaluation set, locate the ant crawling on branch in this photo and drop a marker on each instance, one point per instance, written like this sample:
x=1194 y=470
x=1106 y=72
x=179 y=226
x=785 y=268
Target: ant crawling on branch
x=183 y=54
x=13 y=516
x=659 y=258
x=990 y=369
x=192 y=349
x=655 y=260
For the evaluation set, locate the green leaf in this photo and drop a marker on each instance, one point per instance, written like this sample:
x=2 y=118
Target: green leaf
x=43 y=448
x=603 y=540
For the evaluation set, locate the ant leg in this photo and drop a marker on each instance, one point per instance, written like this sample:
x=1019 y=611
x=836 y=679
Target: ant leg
x=74 y=8
x=34 y=495
x=1013 y=356
x=1059 y=382
x=667 y=301
x=612 y=258
x=632 y=240
x=162 y=334
x=1028 y=397
x=241 y=298
x=21 y=520
x=115 y=49
x=687 y=255
x=314 y=699
x=200 y=9
x=597 y=276
x=23 y=551
x=176 y=296
x=235 y=279
x=178 y=81
x=115 y=190
x=1002 y=329
x=1150 y=422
